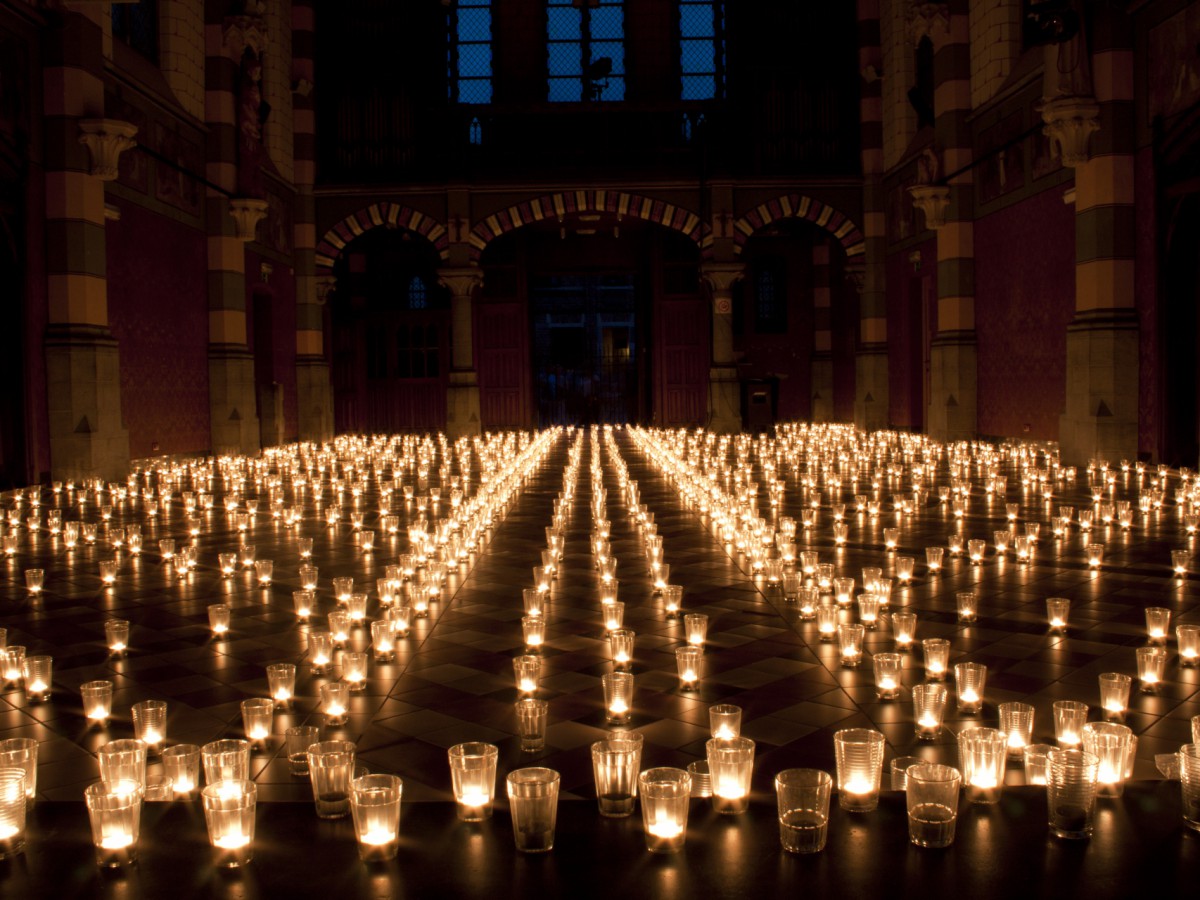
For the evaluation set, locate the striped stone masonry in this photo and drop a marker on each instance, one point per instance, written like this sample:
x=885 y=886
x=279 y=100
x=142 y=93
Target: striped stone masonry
x=724 y=389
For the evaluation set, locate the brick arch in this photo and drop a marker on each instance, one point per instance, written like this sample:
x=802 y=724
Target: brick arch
x=379 y=215
x=555 y=206
x=797 y=206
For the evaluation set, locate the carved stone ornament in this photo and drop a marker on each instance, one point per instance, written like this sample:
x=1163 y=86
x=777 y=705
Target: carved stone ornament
x=106 y=139
x=325 y=285
x=928 y=20
x=1070 y=124
x=721 y=278
x=247 y=213
x=932 y=200
x=242 y=32
x=461 y=281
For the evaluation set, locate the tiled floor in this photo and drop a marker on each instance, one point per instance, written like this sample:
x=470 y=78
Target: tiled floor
x=453 y=679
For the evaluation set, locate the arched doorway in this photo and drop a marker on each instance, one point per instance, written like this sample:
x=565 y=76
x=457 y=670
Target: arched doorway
x=390 y=322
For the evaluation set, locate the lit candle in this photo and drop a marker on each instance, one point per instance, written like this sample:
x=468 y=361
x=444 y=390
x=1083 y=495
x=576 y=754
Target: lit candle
x=184 y=784
x=98 y=713
x=858 y=786
x=1016 y=741
x=232 y=840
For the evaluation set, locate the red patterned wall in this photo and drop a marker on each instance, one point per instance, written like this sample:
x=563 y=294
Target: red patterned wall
x=1024 y=300
x=157 y=308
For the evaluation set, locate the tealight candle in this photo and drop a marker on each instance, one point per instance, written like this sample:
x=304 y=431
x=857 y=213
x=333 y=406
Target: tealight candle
x=1188 y=639
x=36 y=671
x=335 y=702
x=937 y=657
x=1158 y=622
x=688 y=661
x=1069 y=719
x=229 y=808
x=904 y=628
x=116 y=633
x=1057 y=611
x=969 y=680
x=730 y=764
x=618 y=696
x=1016 y=724
x=725 y=721
x=218 y=619
x=97 y=700
x=887 y=674
x=827 y=622
x=929 y=704
x=1150 y=664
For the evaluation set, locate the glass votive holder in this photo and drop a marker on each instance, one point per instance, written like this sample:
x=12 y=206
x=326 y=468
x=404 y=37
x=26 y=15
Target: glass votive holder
x=383 y=641
x=1114 y=693
x=123 y=765
x=13 y=663
x=527 y=670
x=850 y=643
x=473 y=778
x=1069 y=719
x=181 y=766
x=968 y=606
x=320 y=651
x=859 y=755
x=827 y=622
x=976 y=548
x=533 y=806
x=969 y=682
x=533 y=601
x=218 y=619
x=933 y=559
x=35 y=580
x=808 y=598
x=356 y=607
x=843 y=591
x=618 y=697
x=229 y=808
x=931 y=798
x=868 y=610
x=1179 y=562
x=725 y=721
x=1189 y=777
x=1016 y=724
x=899 y=771
x=620 y=648
x=258 y=713
x=695 y=626
x=38 y=674
x=533 y=629
x=335 y=702
x=904 y=629
x=937 y=657
x=331 y=768
x=701 y=779
x=264 y=571
x=13 y=803
x=150 y=723
x=905 y=565
x=929 y=707
x=309 y=576
x=116 y=636
x=1094 y=555
x=1151 y=663
x=955 y=543
x=1071 y=792
x=226 y=562
x=1058 y=610
x=1187 y=638
x=339 y=626
x=97 y=700
x=281 y=683
x=888 y=667
x=343 y=587
x=400 y=617
x=354 y=669
x=531 y=723
x=1037 y=763
x=615 y=765
x=1111 y=744
x=1158 y=624
x=982 y=753
x=375 y=809
x=665 y=794
x=613 y=614
x=689 y=663
x=672 y=598
x=116 y=819
x=730 y=766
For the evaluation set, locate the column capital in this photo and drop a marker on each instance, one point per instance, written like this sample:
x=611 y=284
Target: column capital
x=247 y=31
x=928 y=20
x=247 y=212
x=106 y=140
x=933 y=200
x=461 y=281
x=1070 y=124
x=721 y=277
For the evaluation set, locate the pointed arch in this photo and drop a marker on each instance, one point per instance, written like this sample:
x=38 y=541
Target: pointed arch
x=379 y=215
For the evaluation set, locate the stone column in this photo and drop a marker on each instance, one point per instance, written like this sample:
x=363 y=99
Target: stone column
x=314 y=393
x=462 y=398
x=231 y=222
x=87 y=435
x=822 y=358
x=1100 y=417
x=724 y=388
x=953 y=368
x=871 y=395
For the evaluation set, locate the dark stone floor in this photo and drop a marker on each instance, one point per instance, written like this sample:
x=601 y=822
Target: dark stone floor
x=453 y=680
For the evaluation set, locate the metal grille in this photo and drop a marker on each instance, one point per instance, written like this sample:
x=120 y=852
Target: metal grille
x=585 y=50
x=470 y=52
x=701 y=49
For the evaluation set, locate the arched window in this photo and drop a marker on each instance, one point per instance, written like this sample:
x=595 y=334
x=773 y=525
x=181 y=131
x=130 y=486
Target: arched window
x=585 y=50
x=469 y=51
x=136 y=24
x=418 y=298
x=770 y=298
x=701 y=49
x=921 y=94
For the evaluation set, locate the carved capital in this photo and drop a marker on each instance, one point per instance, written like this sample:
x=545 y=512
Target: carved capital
x=932 y=200
x=1070 y=124
x=106 y=139
x=720 y=278
x=461 y=281
x=245 y=32
x=931 y=20
x=247 y=213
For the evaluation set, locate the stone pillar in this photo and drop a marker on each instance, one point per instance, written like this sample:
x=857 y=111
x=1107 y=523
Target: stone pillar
x=462 y=399
x=822 y=358
x=1100 y=417
x=953 y=369
x=87 y=435
x=724 y=388
x=314 y=392
x=871 y=396
x=230 y=222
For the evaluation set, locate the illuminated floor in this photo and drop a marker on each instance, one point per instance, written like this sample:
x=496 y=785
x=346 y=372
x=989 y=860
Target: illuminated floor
x=453 y=681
